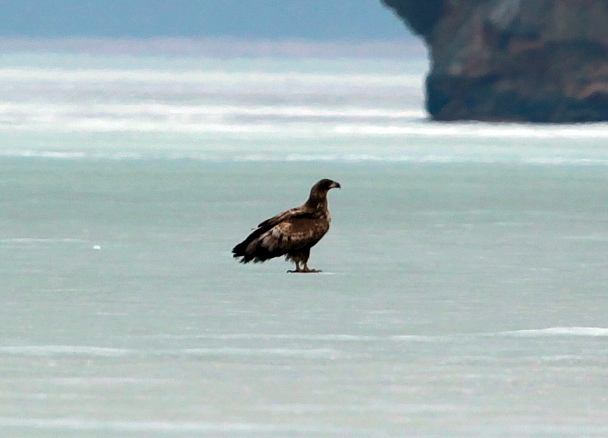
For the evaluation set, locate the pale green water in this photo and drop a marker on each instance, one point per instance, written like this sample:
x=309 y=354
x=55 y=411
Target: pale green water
x=464 y=285
x=457 y=300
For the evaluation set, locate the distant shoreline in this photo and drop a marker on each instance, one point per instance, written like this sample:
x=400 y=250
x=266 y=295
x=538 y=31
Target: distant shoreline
x=219 y=47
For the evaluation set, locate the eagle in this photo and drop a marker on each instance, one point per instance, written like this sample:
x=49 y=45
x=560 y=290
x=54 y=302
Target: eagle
x=291 y=233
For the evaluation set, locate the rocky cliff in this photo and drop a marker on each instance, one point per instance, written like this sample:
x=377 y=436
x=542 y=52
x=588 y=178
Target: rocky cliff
x=513 y=60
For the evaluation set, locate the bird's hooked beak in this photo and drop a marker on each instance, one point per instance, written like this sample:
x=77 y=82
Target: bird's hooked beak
x=335 y=185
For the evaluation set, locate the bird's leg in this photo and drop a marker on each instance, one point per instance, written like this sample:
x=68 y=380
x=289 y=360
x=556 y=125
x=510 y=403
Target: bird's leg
x=304 y=270
x=297 y=268
x=308 y=270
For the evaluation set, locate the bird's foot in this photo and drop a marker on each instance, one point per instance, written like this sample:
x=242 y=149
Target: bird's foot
x=305 y=271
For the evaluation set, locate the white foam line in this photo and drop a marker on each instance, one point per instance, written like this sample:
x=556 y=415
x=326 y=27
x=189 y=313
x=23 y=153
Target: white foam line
x=205 y=77
x=559 y=331
x=395 y=408
x=297 y=337
x=254 y=352
x=344 y=338
x=141 y=111
x=217 y=156
x=157 y=426
x=289 y=337
x=438 y=129
x=423 y=159
x=70 y=350
x=319 y=126
x=59 y=350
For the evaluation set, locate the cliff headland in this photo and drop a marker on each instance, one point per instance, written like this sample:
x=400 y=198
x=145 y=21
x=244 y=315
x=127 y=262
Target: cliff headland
x=513 y=60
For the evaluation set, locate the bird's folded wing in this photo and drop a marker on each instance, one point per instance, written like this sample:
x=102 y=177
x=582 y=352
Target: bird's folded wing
x=297 y=212
x=291 y=234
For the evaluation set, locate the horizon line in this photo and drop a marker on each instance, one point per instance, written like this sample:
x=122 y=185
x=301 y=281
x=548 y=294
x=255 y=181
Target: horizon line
x=217 y=47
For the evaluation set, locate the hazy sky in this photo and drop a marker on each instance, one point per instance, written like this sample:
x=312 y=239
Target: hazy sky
x=255 y=19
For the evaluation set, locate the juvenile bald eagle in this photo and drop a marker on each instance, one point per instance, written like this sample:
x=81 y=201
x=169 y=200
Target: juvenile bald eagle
x=291 y=233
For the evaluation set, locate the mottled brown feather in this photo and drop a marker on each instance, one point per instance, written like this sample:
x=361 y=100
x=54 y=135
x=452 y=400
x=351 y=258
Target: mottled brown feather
x=291 y=233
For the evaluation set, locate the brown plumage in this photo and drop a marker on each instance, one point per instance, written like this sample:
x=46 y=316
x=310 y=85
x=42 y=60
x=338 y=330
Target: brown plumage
x=291 y=233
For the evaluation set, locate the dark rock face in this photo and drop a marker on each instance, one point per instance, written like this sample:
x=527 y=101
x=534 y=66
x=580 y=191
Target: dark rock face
x=513 y=60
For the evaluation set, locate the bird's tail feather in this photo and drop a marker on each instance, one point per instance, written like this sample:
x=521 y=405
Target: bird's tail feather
x=255 y=253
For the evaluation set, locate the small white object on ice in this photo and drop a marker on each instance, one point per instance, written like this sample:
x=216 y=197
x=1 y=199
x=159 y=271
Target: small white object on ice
x=97 y=247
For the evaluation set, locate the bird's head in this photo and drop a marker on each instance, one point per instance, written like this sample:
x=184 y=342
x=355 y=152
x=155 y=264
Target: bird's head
x=325 y=185
x=320 y=189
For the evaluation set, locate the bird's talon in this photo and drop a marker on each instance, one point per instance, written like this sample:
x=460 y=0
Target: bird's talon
x=275 y=237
